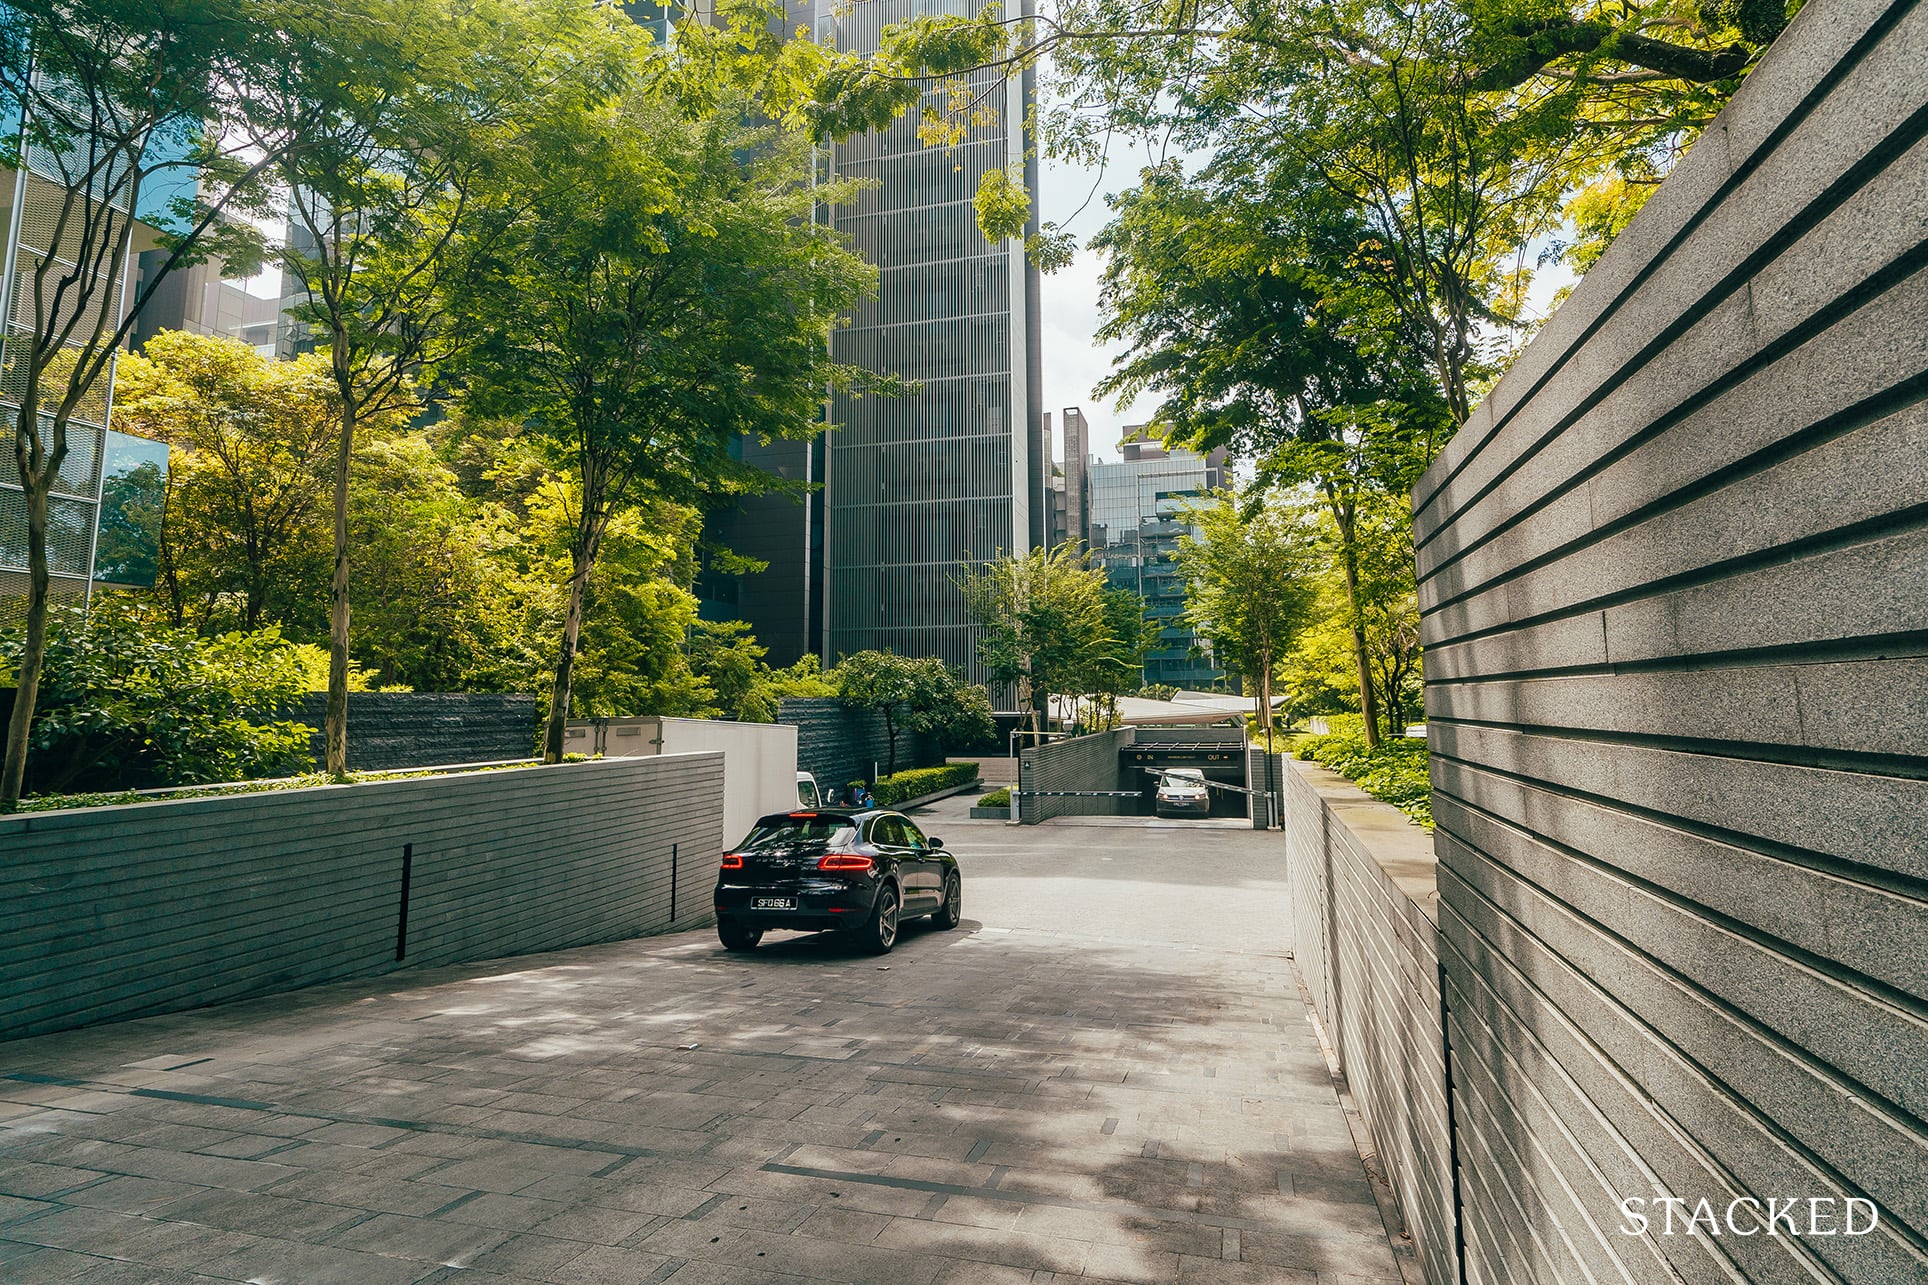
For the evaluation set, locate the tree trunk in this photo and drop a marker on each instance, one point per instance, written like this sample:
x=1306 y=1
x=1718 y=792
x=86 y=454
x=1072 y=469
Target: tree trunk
x=335 y=726
x=1368 y=702
x=558 y=723
x=1265 y=695
x=34 y=654
x=589 y=530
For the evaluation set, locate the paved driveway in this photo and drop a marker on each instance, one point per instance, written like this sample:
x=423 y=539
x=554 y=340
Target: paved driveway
x=1105 y=1074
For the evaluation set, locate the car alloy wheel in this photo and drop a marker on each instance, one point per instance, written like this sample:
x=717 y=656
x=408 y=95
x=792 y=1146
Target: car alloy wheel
x=883 y=924
x=951 y=912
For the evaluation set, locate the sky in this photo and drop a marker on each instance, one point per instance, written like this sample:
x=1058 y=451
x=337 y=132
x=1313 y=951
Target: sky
x=1073 y=359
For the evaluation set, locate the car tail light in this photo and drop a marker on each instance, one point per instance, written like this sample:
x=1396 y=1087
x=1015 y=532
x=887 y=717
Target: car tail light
x=845 y=863
x=733 y=861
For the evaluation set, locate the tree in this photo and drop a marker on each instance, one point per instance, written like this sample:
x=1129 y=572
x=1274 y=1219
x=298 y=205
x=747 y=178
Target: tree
x=890 y=684
x=1040 y=613
x=1236 y=295
x=728 y=658
x=1250 y=586
x=952 y=711
x=407 y=103
x=664 y=292
x=1388 y=610
x=121 y=110
x=1115 y=661
x=724 y=654
x=250 y=439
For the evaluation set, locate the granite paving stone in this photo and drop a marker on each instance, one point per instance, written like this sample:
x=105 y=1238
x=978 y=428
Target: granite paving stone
x=1104 y=1075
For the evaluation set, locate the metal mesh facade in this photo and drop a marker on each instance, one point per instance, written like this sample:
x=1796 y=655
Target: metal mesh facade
x=914 y=486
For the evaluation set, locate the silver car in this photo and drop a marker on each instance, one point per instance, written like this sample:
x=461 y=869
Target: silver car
x=1182 y=792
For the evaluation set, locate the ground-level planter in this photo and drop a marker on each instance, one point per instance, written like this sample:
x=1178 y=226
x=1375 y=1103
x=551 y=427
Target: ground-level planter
x=935 y=795
x=990 y=814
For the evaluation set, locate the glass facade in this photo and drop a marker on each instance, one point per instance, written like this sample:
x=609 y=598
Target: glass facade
x=914 y=486
x=31 y=201
x=1137 y=516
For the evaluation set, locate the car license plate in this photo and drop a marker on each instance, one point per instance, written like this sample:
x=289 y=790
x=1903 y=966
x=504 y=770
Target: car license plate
x=773 y=903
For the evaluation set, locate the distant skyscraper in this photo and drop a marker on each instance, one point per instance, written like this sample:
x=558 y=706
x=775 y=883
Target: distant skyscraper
x=914 y=486
x=1137 y=515
x=1075 y=522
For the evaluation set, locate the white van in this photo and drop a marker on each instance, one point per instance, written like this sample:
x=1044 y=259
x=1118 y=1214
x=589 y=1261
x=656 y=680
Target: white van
x=807 y=796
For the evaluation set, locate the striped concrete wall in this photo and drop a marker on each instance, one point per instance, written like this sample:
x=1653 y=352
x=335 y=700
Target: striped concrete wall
x=1361 y=879
x=110 y=913
x=1674 y=576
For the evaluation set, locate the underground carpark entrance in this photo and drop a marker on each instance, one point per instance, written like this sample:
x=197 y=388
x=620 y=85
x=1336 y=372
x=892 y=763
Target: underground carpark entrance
x=1116 y=773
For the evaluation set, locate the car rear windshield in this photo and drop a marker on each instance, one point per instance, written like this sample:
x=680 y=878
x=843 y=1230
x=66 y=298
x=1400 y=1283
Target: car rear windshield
x=787 y=832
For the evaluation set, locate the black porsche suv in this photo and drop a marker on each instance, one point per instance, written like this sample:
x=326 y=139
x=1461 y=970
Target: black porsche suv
x=862 y=873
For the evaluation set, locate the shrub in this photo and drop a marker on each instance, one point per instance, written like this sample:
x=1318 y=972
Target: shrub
x=917 y=781
x=998 y=798
x=1394 y=773
x=128 y=704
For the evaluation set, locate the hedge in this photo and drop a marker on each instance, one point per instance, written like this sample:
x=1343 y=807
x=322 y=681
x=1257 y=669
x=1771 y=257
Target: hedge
x=919 y=781
x=998 y=798
x=1394 y=773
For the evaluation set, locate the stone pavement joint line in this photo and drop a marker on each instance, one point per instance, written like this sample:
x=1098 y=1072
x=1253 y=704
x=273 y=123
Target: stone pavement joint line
x=1105 y=1075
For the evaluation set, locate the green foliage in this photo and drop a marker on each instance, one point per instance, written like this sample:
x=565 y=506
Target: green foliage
x=1394 y=771
x=246 y=503
x=314 y=672
x=915 y=782
x=998 y=798
x=1598 y=212
x=126 y=704
x=1003 y=205
x=726 y=656
x=923 y=695
x=957 y=714
x=1040 y=613
x=656 y=290
x=1249 y=582
x=1319 y=674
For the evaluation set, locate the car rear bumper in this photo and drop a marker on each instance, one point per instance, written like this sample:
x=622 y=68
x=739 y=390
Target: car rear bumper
x=819 y=905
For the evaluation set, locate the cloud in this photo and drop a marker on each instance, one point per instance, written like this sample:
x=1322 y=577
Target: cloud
x=1074 y=360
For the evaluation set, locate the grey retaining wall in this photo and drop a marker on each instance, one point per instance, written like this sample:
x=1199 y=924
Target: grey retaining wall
x=1362 y=895
x=839 y=745
x=1674 y=575
x=427 y=729
x=109 y=913
x=1075 y=763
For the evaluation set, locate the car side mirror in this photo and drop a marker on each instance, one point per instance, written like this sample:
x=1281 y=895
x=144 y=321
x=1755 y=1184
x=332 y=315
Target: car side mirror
x=937 y=844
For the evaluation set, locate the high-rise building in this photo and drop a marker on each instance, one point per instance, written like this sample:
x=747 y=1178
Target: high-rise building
x=1137 y=515
x=914 y=486
x=1071 y=482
